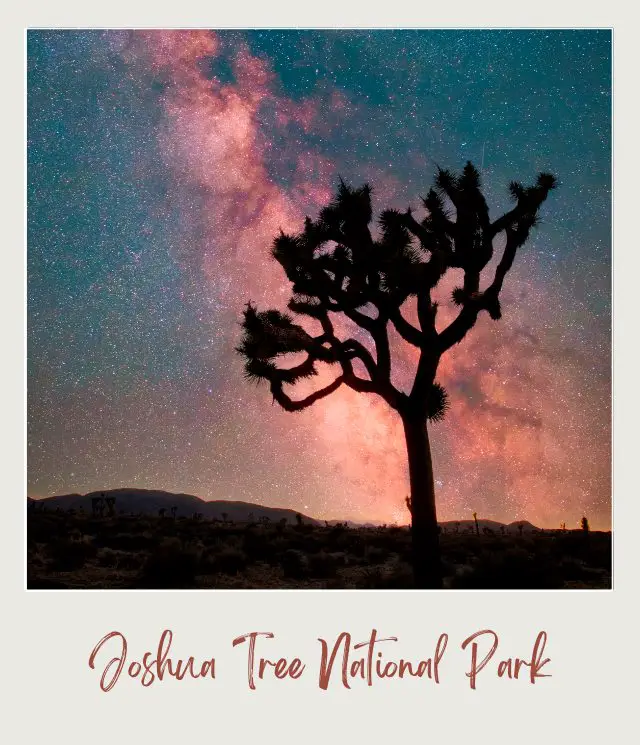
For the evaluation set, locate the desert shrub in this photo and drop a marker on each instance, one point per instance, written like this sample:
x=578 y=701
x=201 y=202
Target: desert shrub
x=196 y=547
x=170 y=566
x=397 y=576
x=371 y=578
x=497 y=543
x=341 y=538
x=322 y=565
x=356 y=545
x=594 y=548
x=227 y=539
x=131 y=541
x=599 y=552
x=132 y=560
x=257 y=545
x=456 y=553
x=341 y=558
x=295 y=565
x=512 y=569
x=45 y=527
x=376 y=554
x=69 y=555
x=393 y=540
x=110 y=558
x=448 y=569
x=307 y=543
x=230 y=560
x=573 y=569
x=207 y=563
x=305 y=528
x=35 y=558
x=214 y=546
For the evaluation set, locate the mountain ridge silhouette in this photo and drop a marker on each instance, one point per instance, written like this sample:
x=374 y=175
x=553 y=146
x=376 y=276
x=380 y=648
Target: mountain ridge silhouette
x=149 y=501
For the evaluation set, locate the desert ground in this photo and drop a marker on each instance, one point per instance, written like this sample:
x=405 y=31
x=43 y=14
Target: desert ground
x=68 y=550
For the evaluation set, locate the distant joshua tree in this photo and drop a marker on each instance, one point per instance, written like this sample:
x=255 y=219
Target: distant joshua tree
x=338 y=268
x=475 y=520
x=563 y=527
x=174 y=510
x=161 y=512
x=97 y=506
x=224 y=516
x=110 y=502
x=520 y=528
x=299 y=519
x=584 y=524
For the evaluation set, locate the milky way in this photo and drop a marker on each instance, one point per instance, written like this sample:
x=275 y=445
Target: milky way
x=162 y=164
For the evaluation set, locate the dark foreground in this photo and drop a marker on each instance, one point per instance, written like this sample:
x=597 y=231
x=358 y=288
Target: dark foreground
x=66 y=551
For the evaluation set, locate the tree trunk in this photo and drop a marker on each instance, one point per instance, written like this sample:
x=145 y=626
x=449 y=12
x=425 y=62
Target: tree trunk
x=427 y=568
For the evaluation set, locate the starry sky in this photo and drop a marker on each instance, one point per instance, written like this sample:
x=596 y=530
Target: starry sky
x=161 y=165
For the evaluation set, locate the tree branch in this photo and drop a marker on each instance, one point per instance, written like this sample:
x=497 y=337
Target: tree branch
x=455 y=332
x=425 y=236
x=476 y=301
x=506 y=262
x=355 y=349
x=359 y=273
x=383 y=353
x=406 y=329
x=505 y=221
x=426 y=316
x=289 y=404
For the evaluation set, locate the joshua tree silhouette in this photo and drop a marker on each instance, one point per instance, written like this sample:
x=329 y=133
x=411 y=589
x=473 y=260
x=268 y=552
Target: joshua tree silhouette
x=337 y=267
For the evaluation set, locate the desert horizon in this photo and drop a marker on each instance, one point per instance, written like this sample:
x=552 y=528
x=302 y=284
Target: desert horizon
x=159 y=499
x=140 y=539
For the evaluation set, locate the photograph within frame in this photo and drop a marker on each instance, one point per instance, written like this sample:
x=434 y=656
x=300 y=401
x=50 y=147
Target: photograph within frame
x=162 y=167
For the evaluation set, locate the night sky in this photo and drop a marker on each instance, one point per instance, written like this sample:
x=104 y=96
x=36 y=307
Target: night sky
x=162 y=164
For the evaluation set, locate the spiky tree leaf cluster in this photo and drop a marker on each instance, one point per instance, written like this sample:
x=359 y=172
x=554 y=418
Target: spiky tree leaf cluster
x=336 y=266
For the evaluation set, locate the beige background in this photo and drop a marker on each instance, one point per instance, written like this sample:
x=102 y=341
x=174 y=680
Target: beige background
x=50 y=694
